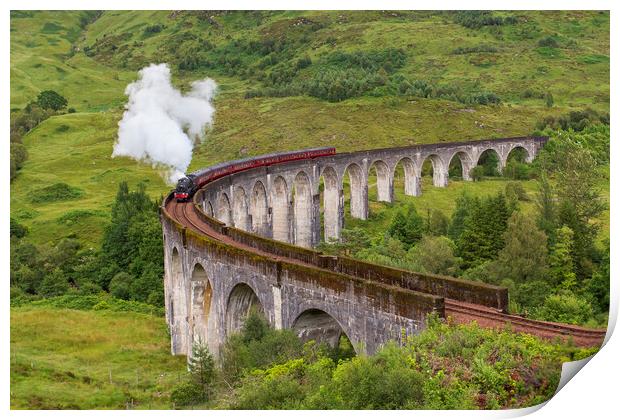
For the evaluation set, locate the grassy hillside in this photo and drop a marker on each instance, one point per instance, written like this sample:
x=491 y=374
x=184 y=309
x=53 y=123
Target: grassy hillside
x=90 y=59
x=70 y=359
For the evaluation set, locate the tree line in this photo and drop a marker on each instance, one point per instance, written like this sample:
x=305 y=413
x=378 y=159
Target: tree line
x=47 y=104
x=128 y=264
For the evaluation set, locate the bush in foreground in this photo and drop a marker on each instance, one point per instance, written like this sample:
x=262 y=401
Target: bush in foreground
x=444 y=367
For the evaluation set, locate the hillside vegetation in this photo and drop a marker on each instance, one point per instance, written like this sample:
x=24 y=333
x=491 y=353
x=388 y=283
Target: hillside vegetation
x=288 y=80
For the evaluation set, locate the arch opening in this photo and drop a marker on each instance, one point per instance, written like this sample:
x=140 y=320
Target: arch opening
x=459 y=167
x=240 y=209
x=331 y=210
x=280 y=210
x=358 y=192
x=518 y=154
x=379 y=175
x=241 y=302
x=202 y=294
x=259 y=210
x=432 y=166
x=302 y=196
x=404 y=173
x=223 y=209
x=489 y=162
x=318 y=325
x=517 y=164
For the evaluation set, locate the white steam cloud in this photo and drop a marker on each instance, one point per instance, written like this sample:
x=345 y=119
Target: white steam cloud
x=160 y=124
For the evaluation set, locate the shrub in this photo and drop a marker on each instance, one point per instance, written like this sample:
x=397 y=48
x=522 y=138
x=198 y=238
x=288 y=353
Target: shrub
x=96 y=302
x=548 y=41
x=477 y=173
x=55 y=192
x=384 y=381
x=549 y=99
x=49 y=99
x=74 y=216
x=257 y=346
x=484 y=98
x=54 y=284
x=389 y=59
x=444 y=367
x=270 y=390
x=153 y=29
x=565 y=307
x=19 y=154
x=476 y=19
x=186 y=394
x=517 y=170
x=26 y=278
x=303 y=62
x=574 y=120
x=437 y=223
x=435 y=255
x=17 y=230
x=120 y=285
x=515 y=192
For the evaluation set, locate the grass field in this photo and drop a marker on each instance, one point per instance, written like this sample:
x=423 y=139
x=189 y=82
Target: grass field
x=70 y=359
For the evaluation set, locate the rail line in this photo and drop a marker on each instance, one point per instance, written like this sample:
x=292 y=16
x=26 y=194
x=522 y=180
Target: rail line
x=459 y=312
x=462 y=312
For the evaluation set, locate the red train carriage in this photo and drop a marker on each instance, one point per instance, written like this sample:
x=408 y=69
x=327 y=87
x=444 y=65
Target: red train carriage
x=187 y=186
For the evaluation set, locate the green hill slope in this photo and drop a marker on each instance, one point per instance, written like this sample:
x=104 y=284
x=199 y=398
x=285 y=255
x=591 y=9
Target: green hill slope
x=439 y=66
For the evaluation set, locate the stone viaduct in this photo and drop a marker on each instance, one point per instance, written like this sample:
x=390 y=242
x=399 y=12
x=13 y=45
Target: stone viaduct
x=246 y=241
x=283 y=202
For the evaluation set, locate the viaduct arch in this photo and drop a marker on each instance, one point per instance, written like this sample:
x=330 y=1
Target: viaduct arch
x=246 y=242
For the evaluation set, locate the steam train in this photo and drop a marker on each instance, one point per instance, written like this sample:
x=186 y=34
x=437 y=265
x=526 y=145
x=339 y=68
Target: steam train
x=187 y=186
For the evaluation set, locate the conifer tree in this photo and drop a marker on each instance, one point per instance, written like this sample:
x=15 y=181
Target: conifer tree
x=578 y=193
x=407 y=228
x=598 y=285
x=437 y=223
x=202 y=367
x=547 y=211
x=562 y=266
x=482 y=237
x=457 y=224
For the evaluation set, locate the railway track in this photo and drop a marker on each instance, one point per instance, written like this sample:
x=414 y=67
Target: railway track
x=460 y=312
